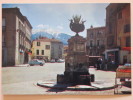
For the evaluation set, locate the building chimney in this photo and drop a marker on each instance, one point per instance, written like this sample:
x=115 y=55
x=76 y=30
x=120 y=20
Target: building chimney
x=91 y=26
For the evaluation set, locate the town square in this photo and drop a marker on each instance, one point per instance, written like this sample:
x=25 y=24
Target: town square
x=68 y=49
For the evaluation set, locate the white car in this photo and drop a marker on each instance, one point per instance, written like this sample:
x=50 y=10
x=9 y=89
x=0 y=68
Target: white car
x=52 y=61
x=60 y=61
x=36 y=62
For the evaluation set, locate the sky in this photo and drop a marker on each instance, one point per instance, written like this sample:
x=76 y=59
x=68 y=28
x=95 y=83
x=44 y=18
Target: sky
x=54 y=18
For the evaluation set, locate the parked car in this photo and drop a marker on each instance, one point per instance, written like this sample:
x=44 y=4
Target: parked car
x=52 y=61
x=36 y=62
x=60 y=61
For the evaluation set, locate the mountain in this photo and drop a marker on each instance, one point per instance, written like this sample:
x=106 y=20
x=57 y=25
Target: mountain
x=60 y=36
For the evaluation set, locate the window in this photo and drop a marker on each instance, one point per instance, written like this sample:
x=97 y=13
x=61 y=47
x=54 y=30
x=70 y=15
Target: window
x=110 y=28
x=91 y=35
x=38 y=43
x=98 y=53
x=126 y=28
x=19 y=25
x=98 y=34
x=110 y=40
x=3 y=24
x=3 y=38
x=90 y=53
x=91 y=43
x=42 y=52
x=19 y=39
x=98 y=42
x=22 y=40
x=119 y=15
x=37 y=52
x=47 y=47
x=128 y=43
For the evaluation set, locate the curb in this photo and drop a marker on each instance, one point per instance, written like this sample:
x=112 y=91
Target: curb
x=68 y=87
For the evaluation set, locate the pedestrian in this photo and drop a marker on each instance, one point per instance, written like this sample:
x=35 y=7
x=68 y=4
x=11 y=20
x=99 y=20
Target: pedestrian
x=106 y=62
x=100 y=63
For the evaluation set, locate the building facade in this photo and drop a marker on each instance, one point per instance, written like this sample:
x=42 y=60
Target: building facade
x=56 y=49
x=47 y=49
x=41 y=49
x=16 y=34
x=117 y=31
x=124 y=33
x=96 y=41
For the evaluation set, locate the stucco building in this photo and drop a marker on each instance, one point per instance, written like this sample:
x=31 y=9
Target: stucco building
x=16 y=37
x=47 y=49
x=41 y=48
x=118 y=32
x=124 y=32
x=96 y=41
x=56 y=49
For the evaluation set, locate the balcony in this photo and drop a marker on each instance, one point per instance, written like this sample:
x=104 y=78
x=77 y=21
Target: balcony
x=102 y=46
x=91 y=47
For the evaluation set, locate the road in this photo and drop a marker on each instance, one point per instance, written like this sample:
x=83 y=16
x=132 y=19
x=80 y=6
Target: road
x=22 y=80
x=33 y=73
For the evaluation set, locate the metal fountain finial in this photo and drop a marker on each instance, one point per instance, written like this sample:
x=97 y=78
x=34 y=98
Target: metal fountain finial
x=76 y=24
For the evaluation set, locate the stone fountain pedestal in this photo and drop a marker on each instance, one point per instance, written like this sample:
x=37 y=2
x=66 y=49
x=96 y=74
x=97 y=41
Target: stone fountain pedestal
x=76 y=63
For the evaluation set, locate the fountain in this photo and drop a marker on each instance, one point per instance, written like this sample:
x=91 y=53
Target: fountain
x=76 y=62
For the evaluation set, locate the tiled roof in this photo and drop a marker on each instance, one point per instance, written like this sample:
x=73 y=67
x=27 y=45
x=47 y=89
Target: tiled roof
x=45 y=39
x=65 y=47
x=55 y=40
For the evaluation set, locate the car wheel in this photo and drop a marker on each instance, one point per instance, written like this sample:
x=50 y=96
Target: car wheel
x=92 y=78
x=41 y=64
x=31 y=65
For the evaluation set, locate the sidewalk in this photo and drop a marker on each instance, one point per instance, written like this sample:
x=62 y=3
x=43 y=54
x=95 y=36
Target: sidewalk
x=22 y=65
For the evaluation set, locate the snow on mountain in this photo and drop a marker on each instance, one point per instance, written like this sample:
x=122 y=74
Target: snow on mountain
x=60 y=36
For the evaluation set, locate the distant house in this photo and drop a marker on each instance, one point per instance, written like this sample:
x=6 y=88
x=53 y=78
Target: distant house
x=47 y=49
x=41 y=49
x=56 y=49
x=96 y=41
x=16 y=35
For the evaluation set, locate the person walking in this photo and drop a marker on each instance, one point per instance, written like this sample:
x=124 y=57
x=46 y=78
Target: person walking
x=98 y=67
x=100 y=63
x=106 y=62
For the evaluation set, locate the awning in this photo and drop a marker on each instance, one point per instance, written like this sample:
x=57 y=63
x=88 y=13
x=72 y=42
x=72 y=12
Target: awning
x=126 y=48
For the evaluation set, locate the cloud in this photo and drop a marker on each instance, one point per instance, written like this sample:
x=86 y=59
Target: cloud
x=42 y=26
x=60 y=27
x=47 y=30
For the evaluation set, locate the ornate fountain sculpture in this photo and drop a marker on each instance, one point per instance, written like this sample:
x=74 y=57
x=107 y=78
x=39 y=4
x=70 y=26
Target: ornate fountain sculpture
x=76 y=62
x=76 y=24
